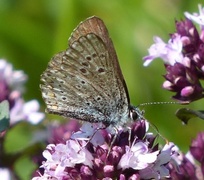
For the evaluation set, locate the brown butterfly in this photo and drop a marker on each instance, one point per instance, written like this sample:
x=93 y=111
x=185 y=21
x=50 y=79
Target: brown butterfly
x=85 y=81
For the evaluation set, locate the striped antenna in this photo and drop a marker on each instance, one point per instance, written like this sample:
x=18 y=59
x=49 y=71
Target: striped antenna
x=159 y=103
x=158 y=133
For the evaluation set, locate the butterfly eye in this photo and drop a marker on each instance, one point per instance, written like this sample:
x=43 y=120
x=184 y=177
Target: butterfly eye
x=133 y=115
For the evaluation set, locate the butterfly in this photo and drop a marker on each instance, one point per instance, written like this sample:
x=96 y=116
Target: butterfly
x=85 y=81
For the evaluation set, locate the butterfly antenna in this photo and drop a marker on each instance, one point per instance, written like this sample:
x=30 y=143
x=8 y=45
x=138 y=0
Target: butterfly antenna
x=163 y=102
x=160 y=135
x=152 y=125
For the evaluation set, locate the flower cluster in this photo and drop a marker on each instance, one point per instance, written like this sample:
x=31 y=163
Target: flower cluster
x=11 y=89
x=183 y=57
x=101 y=154
x=191 y=165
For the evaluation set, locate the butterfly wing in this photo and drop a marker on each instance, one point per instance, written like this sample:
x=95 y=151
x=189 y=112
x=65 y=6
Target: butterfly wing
x=85 y=81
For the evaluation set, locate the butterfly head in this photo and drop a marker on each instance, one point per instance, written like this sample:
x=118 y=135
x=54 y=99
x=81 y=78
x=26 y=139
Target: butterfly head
x=135 y=113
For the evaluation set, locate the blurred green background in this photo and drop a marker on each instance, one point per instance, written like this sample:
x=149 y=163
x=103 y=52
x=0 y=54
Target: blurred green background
x=31 y=32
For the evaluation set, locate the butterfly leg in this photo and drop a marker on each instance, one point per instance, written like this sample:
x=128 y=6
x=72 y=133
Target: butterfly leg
x=113 y=141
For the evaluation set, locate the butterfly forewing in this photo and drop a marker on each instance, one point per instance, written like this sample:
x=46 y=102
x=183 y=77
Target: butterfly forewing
x=85 y=81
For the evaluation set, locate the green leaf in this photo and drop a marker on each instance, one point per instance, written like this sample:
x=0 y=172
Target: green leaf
x=185 y=114
x=4 y=115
